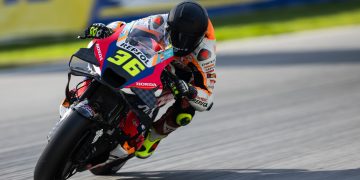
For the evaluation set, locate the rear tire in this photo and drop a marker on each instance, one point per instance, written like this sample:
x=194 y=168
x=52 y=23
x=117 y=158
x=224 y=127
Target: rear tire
x=55 y=159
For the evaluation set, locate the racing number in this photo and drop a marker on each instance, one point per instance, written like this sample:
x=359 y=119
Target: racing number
x=133 y=66
x=120 y=57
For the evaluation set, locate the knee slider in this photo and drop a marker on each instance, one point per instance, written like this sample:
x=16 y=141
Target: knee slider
x=183 y=119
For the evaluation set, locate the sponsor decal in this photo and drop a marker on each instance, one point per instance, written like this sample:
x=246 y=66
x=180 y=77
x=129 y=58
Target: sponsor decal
x=157 y=22
x=98 y=50
x=162 y=56
x=211 y=84
x=213 y=75
x=99 y=133
x=143 y=84
x=88 y=109
x=201 y=99
x=212 y=62
x=176 y=49
x=135 y=51
x=204 y=54
x=209 y=69
x=203 y=104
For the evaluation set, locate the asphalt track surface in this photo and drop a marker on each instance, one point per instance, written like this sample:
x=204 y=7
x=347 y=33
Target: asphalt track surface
x=286 y=107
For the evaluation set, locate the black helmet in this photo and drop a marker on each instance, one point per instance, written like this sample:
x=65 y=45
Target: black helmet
x=187 y=24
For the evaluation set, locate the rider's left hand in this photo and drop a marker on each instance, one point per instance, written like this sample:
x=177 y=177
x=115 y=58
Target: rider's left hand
x=98 y=31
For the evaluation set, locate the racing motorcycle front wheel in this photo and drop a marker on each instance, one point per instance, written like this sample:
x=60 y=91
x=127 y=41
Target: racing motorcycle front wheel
x=56 y=162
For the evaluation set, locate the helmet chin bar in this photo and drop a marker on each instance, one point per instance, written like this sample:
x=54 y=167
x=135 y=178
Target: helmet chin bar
x=179 y=52
x=179 y=49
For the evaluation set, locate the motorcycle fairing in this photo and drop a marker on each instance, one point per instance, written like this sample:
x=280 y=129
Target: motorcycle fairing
x=87 y=55
x=147 y=78
x=152 y=80
x=101 y=47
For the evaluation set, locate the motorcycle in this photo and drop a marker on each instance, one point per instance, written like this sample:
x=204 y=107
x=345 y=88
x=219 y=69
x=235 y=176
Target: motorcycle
x=114 y=107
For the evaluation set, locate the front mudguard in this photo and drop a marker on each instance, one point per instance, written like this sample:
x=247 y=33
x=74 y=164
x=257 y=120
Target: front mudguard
x=84 y=109
x=81 y=108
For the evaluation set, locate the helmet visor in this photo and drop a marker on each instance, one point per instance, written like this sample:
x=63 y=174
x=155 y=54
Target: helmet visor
x=184 y=43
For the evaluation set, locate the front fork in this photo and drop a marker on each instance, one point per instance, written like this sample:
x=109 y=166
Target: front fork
x=132 y=131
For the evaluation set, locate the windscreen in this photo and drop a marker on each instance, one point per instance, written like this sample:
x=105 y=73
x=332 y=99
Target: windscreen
x=143 y=41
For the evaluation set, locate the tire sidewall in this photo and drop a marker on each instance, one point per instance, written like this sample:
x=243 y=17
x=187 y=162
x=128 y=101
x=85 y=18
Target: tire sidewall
x=58 y=151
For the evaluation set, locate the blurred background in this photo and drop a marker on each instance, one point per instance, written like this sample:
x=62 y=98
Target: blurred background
x=46 y=30
x=287 y=96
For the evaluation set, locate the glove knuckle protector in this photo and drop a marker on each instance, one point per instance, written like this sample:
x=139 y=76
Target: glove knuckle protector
x=98 y=30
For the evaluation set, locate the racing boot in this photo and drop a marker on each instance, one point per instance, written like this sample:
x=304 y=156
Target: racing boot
x=158 y=131
x=174 y=117
x=150 y=143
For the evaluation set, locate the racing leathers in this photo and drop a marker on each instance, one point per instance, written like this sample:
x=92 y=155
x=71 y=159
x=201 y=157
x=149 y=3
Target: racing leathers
x=197 y=69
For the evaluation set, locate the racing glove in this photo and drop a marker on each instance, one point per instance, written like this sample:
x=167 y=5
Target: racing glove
x=98 y=31
x=182 y=89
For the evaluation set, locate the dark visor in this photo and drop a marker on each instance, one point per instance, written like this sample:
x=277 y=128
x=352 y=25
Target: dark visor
x=184 y=41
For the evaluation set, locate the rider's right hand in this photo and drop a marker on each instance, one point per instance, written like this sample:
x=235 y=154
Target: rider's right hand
x=182 y=89
x=98 y=31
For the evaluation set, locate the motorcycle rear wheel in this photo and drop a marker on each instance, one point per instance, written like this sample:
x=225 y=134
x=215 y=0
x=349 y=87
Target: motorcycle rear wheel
x=55 y=162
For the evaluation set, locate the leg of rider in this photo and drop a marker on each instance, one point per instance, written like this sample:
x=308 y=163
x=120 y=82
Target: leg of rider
x=179 y=114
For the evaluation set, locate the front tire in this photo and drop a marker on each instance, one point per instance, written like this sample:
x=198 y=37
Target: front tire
x=55 y=161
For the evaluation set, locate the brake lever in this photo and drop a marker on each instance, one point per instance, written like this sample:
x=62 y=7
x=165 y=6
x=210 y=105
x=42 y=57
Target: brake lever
x=169 y=78
x=170 y=81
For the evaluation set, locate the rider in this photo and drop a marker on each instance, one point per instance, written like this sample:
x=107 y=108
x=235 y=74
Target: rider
x=188 y=29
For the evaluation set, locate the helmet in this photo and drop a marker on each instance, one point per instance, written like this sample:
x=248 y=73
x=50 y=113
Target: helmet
x=187 y=24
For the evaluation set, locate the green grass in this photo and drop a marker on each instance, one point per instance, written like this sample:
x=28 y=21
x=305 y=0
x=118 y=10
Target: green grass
x=286 y=20
x=38 y=53
x=264 y=22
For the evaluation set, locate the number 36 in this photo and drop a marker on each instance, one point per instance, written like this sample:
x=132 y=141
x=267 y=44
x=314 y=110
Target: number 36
x=130 y=64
